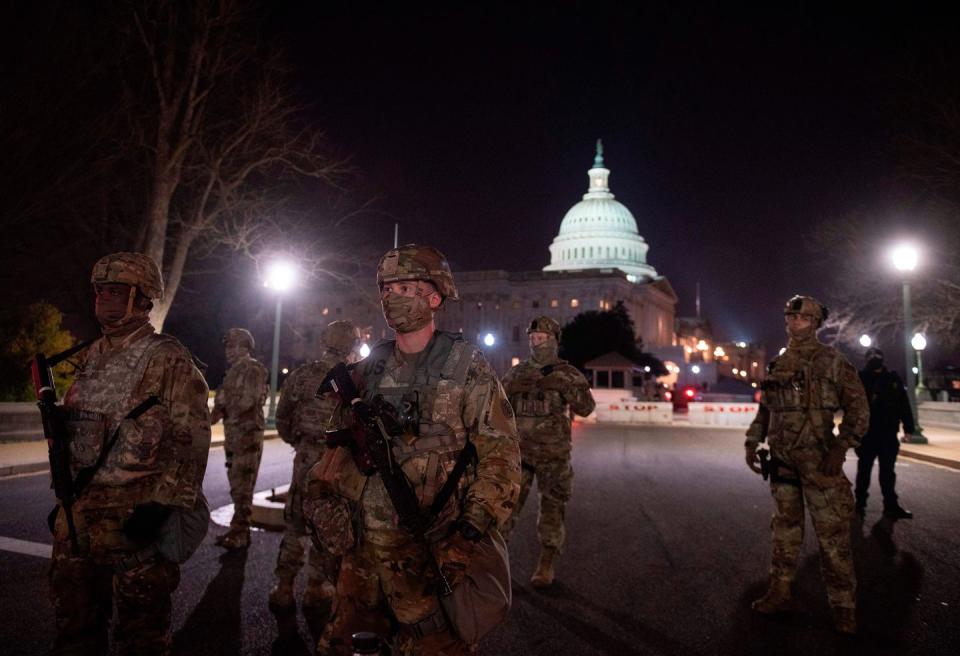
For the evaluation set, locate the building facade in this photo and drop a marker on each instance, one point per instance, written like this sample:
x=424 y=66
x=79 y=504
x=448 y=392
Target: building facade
x=597 y=259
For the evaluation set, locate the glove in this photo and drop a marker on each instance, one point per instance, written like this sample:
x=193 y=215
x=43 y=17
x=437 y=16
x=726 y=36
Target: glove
x=143 y=526
x=453 y=553
x=832 y=463
x=753 y=460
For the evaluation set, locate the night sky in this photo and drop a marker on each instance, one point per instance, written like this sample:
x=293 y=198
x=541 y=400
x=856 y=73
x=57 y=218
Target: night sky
x=730 y=133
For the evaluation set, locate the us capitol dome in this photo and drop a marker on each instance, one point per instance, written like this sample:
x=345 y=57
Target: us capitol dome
x=599 y=232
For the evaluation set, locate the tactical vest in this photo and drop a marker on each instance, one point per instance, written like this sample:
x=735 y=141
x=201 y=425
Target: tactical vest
x=311 y=415
x=802 y=395
x=104 y=392
x=251 y=419
x=431 y=405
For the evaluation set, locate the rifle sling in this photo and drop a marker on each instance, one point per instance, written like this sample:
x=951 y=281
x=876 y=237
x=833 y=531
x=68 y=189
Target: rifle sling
x=468 y=456
x=85 y=475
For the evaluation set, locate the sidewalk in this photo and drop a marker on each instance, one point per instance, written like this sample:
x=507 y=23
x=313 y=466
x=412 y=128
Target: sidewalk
x=943 y=448
x=28 y=457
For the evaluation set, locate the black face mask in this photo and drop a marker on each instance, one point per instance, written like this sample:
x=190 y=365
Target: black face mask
x=874 y=363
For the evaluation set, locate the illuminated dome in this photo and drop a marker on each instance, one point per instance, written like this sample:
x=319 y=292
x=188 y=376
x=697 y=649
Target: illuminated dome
x=599 y=232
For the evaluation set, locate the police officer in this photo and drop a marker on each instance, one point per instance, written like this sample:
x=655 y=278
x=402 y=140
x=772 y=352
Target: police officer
x=889 y=407
x=543 y=390
x=138 y=394
x=239 y=402
x=803 y=390
x=302 y=420
x=452 y=405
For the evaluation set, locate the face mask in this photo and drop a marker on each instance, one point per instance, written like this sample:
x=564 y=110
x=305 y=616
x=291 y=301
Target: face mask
x=803 y=334
x=235 y=353
x=545 y=353
x=406 y=314
x=120 y=318
x=874 y=363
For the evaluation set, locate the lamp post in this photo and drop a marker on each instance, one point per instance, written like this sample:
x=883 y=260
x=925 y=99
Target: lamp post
x=865 y=341
x=919 y=342
x=905 y=258
x=280 y=277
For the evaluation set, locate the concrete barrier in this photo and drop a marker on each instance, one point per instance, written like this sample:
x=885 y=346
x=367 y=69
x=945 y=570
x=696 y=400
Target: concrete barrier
x=20 y=422
x=634 y=412
x=940 y=414
x=722 y=414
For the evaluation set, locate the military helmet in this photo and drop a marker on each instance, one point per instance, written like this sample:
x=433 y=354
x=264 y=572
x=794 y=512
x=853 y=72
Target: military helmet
x=241 y=335
x=340 y=337
x=545 y=324
x=873 y=352
x=134 y=269
x=807 y=306
x=417 y=262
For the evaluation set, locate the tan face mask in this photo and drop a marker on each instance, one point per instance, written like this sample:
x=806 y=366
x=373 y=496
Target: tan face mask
x=406 y=314
x=545 y=353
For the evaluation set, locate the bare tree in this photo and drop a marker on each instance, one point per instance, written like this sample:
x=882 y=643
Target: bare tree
x=222 y=141
x=865 y=296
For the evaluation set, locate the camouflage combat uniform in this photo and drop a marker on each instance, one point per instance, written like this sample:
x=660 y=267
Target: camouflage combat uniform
x=803 y=390
x=158 y=458
x=240 y=402
x=543 y=392
x=386 y=583
x=302 y=420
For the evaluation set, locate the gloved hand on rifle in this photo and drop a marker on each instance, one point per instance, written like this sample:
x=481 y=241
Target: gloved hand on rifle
x=832 y=463
x=752 y=457
x=453 y=552
x=143 y=526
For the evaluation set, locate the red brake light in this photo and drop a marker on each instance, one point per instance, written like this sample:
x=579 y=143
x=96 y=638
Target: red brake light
x=689 y=393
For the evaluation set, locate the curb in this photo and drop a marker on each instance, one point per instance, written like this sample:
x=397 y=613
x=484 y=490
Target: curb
x=936 y=460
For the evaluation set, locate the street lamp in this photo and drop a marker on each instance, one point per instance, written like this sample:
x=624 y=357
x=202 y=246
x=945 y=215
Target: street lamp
x=489 y=339
x=865 y=341
x=905 y=259
x=919 y=342
x=281 y=276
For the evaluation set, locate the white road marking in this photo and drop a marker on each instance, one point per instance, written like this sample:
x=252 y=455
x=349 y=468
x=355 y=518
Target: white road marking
x=24 y=547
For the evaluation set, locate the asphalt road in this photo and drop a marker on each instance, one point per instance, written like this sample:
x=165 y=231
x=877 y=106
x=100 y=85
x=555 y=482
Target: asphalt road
x=667 y=544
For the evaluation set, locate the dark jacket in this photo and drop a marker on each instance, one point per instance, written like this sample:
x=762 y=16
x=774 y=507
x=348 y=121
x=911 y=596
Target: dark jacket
x=889 y=405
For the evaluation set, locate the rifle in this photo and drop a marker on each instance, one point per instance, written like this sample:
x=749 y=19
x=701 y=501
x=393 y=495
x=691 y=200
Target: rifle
x=374 y=424
x=55 y=432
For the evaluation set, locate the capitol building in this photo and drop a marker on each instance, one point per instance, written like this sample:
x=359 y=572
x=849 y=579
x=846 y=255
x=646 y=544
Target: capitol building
x=597 y=259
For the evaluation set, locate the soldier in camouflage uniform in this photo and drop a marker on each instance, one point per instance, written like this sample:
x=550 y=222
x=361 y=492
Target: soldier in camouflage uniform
x=543 y=390
x=239 y=402
x=803 y=390
x=155 y=465
x=454 y=405
x=302 y=420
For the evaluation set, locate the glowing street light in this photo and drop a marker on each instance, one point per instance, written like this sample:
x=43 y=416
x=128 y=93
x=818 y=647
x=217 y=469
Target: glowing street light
x=364 y=350
x=865 y=341
x=905 y=259
x=489 y=339
x=695 y=369
x=919 y=342
x=702 y=345
x=280 y=276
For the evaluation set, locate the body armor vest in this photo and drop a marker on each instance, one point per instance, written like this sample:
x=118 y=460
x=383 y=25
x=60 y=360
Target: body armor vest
x=104 y=392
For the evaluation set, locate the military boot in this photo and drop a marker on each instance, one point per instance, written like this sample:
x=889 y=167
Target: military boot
x=281 y=597
x=543 y=576
x=235 y=539
x=319 y=593
x=844 y=620
x=775 y=599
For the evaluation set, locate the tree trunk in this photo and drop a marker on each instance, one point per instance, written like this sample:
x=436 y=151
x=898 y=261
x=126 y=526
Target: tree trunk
x=173 y=278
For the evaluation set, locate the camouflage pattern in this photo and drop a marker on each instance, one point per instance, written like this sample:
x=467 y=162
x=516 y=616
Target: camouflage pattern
x=159 y=457
x=241 y=337
x=545 y=324
x=804 y=388
x=302 y=420
x=340 y=338
x=457 y=398
x=807 y=306
x=543 y=395
x=417 y=262
x=240 y=402
x=134 y=269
